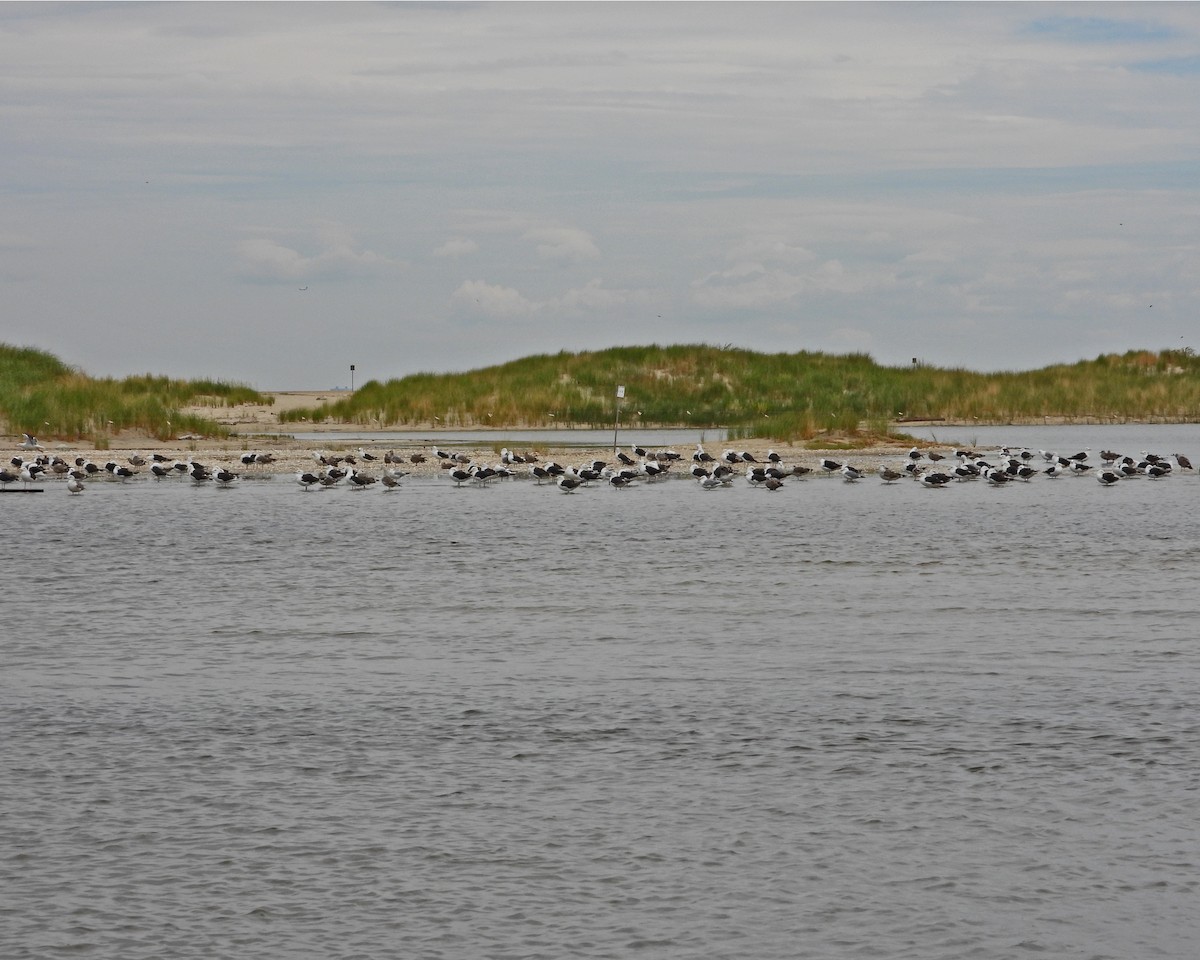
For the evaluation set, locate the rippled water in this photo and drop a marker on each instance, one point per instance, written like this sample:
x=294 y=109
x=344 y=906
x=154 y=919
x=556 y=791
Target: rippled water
x=838 y=720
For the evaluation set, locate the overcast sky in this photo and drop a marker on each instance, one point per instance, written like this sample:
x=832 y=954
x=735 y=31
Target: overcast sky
x=270 y=193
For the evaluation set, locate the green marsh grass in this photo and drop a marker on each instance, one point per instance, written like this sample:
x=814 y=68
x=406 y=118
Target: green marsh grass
x=798 y=395
x=40 y=394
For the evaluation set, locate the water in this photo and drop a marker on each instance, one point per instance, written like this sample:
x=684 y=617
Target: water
x=837 y=720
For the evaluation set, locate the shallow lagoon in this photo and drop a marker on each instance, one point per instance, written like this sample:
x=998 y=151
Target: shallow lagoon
x=836 y=720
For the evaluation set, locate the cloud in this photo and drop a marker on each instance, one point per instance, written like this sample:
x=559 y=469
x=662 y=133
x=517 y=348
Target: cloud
x=478 y=297
x=456 y=247
x=746 y=285
x=492 y=300
x=770 y=268
x=563 y=244
x=263 y=258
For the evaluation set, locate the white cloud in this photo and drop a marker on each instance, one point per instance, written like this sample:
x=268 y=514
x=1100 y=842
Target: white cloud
x=456 y=247
x=494 y=300
x=563 y=244
x=266 y=259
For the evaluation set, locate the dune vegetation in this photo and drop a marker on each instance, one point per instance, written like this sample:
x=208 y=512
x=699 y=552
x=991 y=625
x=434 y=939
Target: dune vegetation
x=784 y=395
x=41 y=395
x=789 y=396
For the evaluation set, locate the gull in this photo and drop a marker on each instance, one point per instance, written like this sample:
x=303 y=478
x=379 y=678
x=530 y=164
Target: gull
x=391 y=478
x=74 y=485
x=30 y=442
x=888 y=475
x=306 y=479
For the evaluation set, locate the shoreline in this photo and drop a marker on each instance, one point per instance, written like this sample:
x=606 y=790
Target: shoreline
x=256 y=428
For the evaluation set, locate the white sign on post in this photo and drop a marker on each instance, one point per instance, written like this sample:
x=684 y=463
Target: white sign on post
x=617 y=414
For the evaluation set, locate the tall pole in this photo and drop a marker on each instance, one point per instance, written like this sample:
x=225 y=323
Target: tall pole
x=351 y=378
x=617 y=415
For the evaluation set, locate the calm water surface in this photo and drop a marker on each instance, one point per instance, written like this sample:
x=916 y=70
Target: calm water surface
x=838 y=720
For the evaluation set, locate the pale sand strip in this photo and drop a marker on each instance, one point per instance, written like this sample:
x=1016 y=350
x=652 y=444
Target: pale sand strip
x=291 y=456
x=251 y=422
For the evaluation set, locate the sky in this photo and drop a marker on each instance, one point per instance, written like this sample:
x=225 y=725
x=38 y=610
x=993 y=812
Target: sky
x=271 y=193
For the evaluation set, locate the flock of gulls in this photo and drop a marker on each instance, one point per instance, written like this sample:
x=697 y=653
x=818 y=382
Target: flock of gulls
x=31 y=467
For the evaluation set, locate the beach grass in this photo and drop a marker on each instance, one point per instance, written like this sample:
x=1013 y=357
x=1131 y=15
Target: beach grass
x=794 y=397
x=41 y=395
x=787 y=395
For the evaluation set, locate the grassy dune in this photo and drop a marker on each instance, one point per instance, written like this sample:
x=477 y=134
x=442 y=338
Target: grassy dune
x=792 y=395
x=40 y=394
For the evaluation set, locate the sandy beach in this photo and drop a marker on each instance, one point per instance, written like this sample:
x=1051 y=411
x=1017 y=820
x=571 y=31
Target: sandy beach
x=253 y=427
